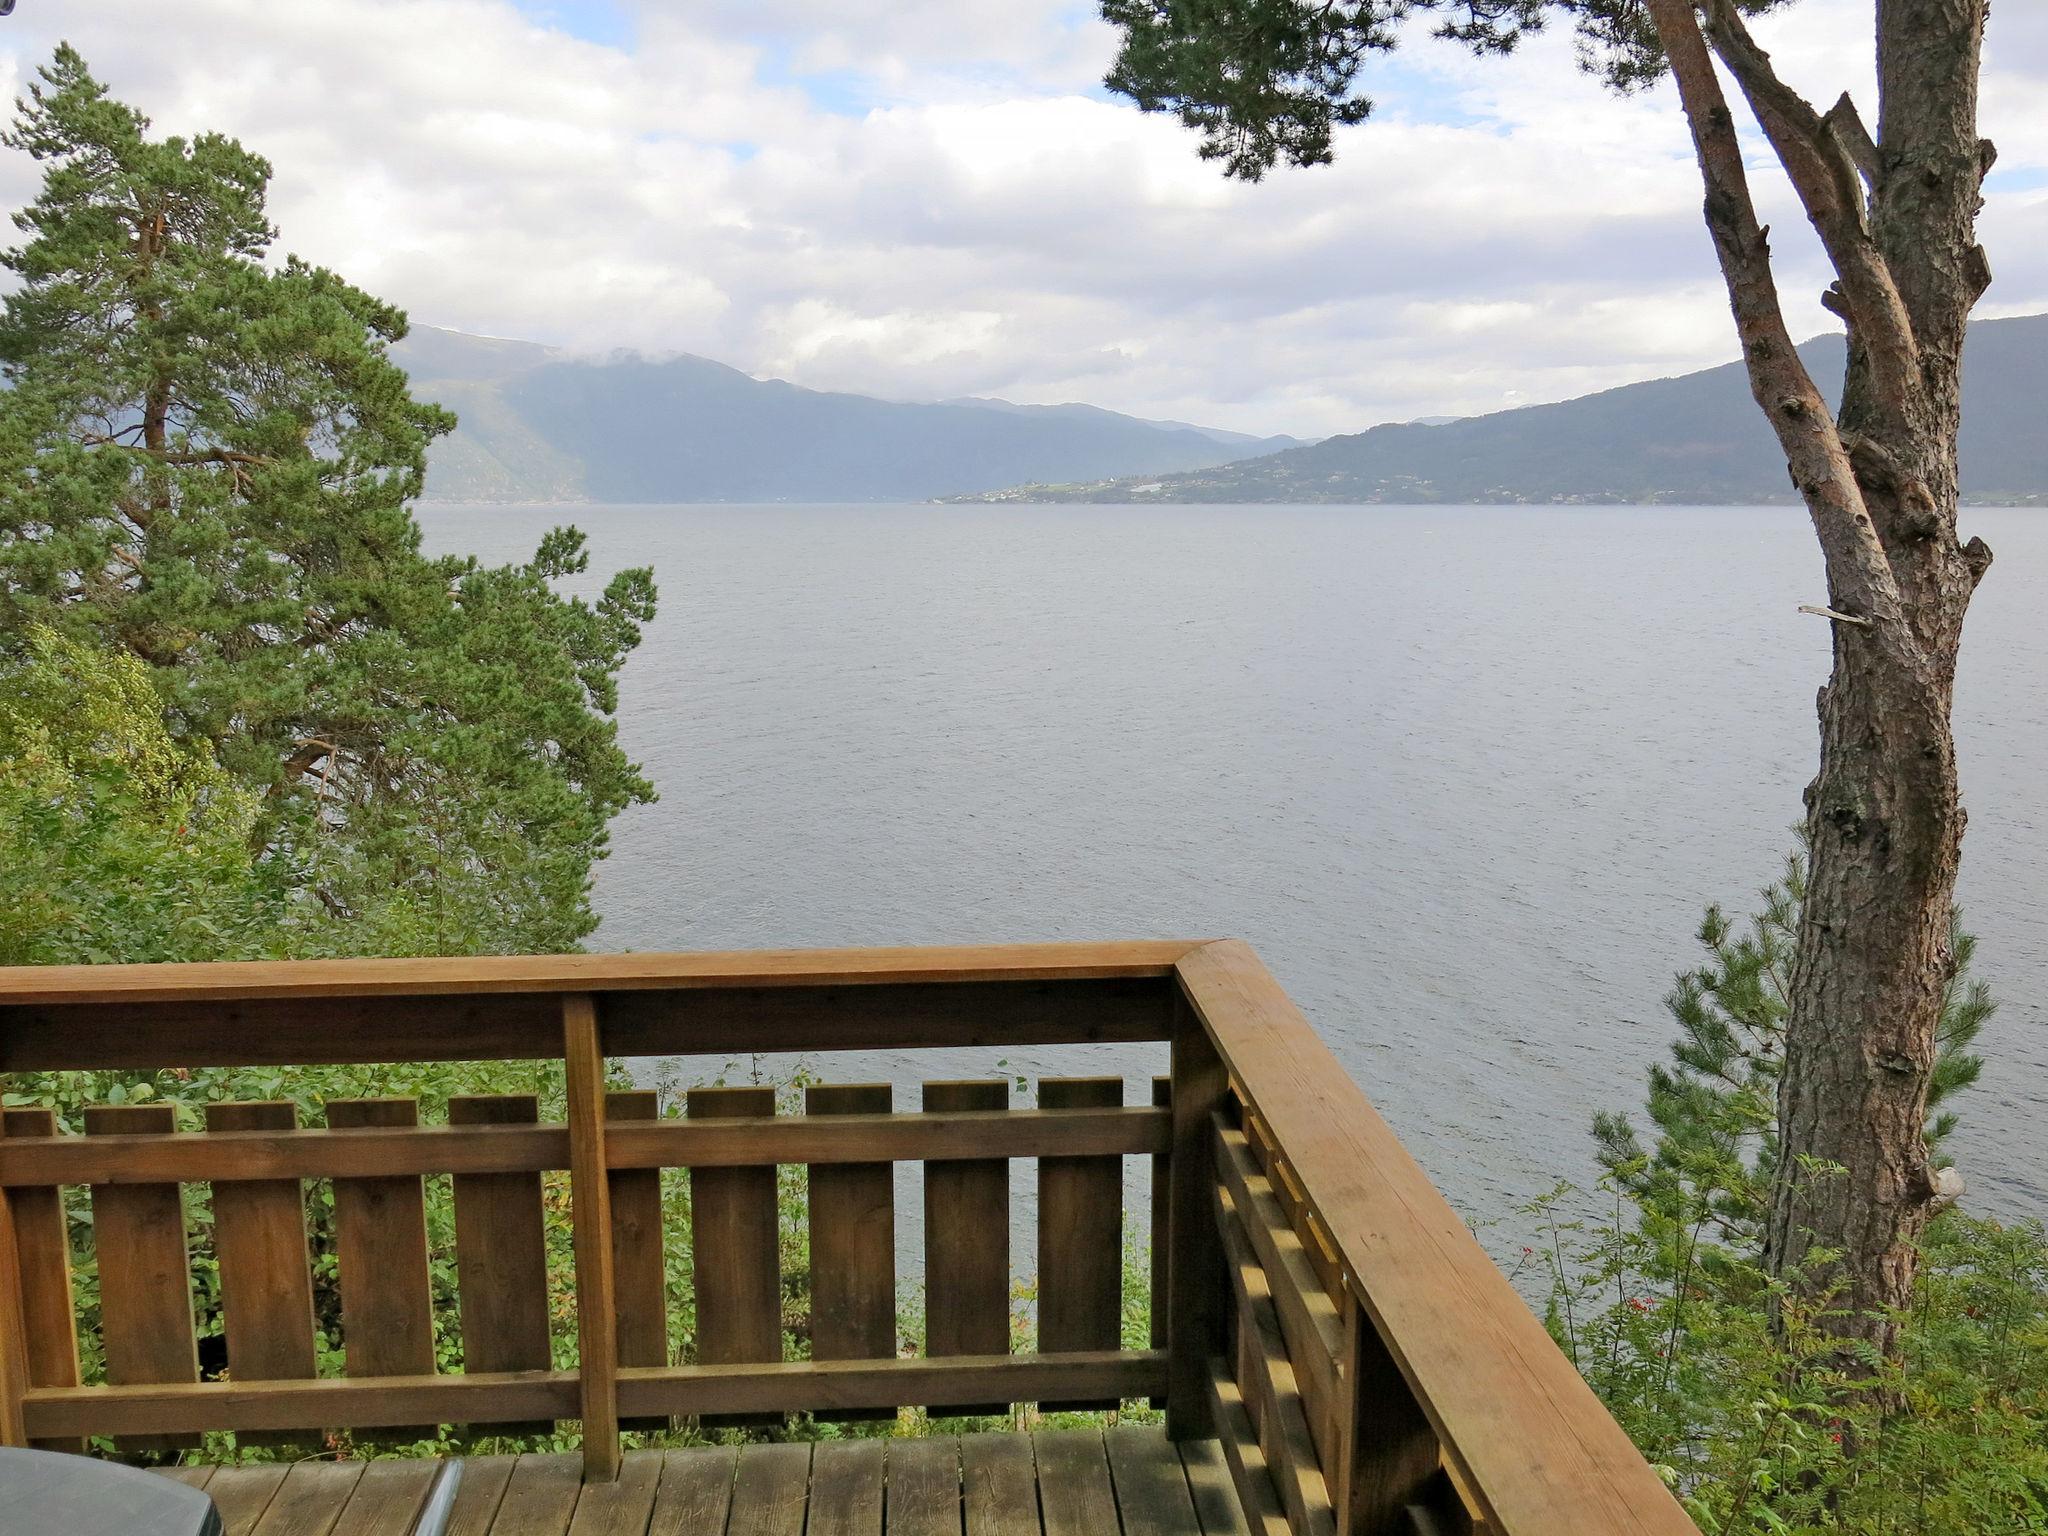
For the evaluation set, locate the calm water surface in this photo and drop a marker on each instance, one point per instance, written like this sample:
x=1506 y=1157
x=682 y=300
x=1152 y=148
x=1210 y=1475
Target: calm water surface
x=1465 y=776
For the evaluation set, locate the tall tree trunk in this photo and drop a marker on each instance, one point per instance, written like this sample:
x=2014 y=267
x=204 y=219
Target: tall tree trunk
x=1880 y=480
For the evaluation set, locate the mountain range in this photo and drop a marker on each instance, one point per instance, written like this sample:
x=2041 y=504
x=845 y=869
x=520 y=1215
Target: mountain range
x=538 y=424
x=1695 y=438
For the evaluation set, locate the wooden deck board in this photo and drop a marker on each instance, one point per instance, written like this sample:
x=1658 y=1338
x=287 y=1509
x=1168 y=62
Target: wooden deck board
x=1132 y=1480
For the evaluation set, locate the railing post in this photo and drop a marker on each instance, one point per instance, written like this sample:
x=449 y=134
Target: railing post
x=1387 y=1452
x=590 y=1214
x=13 y=1327
x=1194 y=1274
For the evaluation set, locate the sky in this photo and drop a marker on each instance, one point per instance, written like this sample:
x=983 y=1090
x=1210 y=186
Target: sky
x=929 y=198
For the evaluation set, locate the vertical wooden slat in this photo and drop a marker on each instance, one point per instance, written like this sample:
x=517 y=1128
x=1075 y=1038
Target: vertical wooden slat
x=967 y=1243
x=501 y=1256
x=42 y=1250
x=1195 y=1282
x=13 y=1328
x=380 y=1244
x=853 y=1243
x=145 y=1271
x=1387 y=1454
x=639 y=1258
x=590 y=1219
x=734 y=1248
x=266 y=1280
x=1162 y=1228
x=1080 y=1237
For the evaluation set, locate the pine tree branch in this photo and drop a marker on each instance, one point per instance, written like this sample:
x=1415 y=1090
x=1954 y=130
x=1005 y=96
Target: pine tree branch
x=1860 y=577
x=1824 y=173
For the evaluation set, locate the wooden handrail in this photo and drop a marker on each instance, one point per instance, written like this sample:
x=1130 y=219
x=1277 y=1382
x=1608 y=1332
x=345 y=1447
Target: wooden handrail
x=1532 y=1445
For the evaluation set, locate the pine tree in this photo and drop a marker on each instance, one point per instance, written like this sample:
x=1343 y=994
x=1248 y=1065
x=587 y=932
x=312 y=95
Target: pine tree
x=206 y=461
x=1715 y=1104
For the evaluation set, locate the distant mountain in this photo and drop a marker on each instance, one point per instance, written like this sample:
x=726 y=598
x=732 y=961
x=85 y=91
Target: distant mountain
x=538 y=425
x=1696 y=438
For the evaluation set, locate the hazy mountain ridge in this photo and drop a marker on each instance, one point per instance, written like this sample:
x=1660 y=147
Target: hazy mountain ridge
x=1697 y=438
x=539 y=425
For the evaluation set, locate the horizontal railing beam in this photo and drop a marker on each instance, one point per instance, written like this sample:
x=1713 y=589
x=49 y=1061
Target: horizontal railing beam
x=231 y=1156
x=842 y=1014
x=818 y=1386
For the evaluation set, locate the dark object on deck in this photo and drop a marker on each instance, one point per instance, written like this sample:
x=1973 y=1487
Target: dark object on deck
x=47 y=1494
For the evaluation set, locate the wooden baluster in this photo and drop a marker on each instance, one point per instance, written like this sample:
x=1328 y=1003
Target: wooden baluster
x=42 y=1251
x=145 y=1272
x=639 y=1256
x=1388 y=1456
x=1162 y=1227
x=501 y=1258
x=380 y=1244
x=1196 y=1302
x=853 y=1244
x=13 y=1329
x=967 y=1244
x=590 y=1216
x=735 y=1250
x=1080 y=1237
x=266 y=1281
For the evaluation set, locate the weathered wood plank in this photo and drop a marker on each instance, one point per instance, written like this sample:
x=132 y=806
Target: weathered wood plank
x=42 y=1248
x=310 y=1499
x=695 y=1495
x=770 y=1491
x=622 y=1506
x=1539 y=1453
x=1162 y=1223
x=501 y=1253
x=967 y=1242
x=179 y=1407
x=734 y=1242
x=1151 y=1485
x=597 y=1339
x=924 y=1487
x=846 y=1488
x=266 y=1278
x=242 y=1494
x=999 y=1485
x=482 y=1491
x=1075 y=1497
x=540 y=1497
x=393 y=1152
x=639 y=1263
x=853 y=1239
x=1080 y=1236
x=386 y=1498
x=146 y=1325
x=192 y=1476
x=1257 y=1499
x=518 y=1396
x=1210 y=1487
x=380 y=1241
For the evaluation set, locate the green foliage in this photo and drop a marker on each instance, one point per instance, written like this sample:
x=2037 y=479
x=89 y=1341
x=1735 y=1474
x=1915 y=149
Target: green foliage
x=205 y=464
x=1269 y=80
x=1665 y=1306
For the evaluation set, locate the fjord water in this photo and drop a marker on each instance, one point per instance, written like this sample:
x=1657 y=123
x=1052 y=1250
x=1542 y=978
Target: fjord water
x=1466 y=776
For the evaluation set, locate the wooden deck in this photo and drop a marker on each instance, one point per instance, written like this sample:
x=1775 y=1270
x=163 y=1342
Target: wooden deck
x=1125 y=1482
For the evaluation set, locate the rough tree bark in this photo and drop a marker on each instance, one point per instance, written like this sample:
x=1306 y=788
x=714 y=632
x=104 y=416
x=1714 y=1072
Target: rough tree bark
x=1896 y=215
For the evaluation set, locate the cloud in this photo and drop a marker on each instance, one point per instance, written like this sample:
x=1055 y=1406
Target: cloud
x=920 y=198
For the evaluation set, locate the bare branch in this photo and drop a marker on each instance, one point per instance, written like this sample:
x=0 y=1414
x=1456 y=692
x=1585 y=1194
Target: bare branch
x=1860 y=578
x=1846 y=124
x=1823 y=171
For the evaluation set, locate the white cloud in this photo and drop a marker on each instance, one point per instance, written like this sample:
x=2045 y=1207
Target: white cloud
x=932 y=198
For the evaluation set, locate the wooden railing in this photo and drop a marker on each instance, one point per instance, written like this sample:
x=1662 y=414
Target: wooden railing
x=1317 y=1307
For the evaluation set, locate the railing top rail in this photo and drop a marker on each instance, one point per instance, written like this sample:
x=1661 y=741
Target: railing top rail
x=1535 y=1446
x=250 y=980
